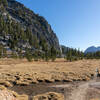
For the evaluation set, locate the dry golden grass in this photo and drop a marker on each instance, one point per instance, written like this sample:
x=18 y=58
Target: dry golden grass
x=95 y=99
x=23 y=72
x=49 y=96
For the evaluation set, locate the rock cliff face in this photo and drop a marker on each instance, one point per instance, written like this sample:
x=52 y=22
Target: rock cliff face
x=26 y=18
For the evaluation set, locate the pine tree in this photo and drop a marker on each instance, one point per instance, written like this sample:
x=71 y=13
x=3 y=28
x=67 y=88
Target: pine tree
x=53 y=53
x=28 y=55
x=69 y=55
x=36 y=56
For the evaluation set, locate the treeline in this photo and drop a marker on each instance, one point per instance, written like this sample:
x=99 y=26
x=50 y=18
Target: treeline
x=30 y=55
x=47 y=55
x=73 y=54
x=95 y=55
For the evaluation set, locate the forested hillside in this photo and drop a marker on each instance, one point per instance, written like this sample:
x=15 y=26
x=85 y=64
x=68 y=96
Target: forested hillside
x=22 y=31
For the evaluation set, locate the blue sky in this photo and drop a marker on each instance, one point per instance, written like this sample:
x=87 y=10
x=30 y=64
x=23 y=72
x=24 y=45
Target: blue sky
x=76 y=22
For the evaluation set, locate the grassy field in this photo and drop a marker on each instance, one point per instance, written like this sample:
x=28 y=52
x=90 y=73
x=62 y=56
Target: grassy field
x=19 y=74
x=22 y=72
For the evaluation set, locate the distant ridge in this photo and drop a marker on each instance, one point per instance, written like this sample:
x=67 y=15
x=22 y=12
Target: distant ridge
x=92 y=49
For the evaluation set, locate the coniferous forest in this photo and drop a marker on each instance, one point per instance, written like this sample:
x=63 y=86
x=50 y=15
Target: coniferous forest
x=19 y=41
x=12 y=34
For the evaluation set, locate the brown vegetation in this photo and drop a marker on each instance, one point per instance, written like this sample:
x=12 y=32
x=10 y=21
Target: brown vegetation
x=6 y=94
x=21 y=72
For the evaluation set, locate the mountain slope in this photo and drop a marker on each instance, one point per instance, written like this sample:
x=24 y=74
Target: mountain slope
x=92 y=49
x=22 y=28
